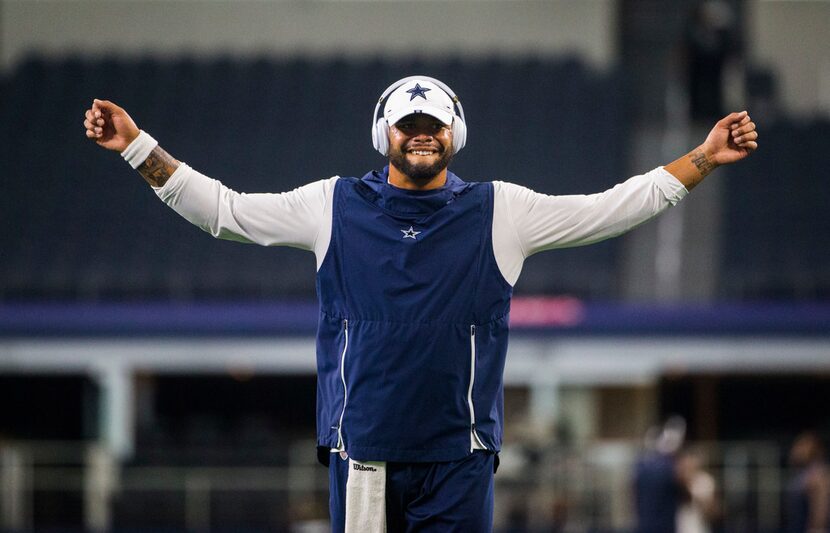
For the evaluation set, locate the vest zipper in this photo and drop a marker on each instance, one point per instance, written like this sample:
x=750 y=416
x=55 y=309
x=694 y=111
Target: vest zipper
x=343 y=379
x=474 y=439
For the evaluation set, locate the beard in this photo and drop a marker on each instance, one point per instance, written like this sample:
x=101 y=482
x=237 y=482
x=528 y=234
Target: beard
x=419 y=172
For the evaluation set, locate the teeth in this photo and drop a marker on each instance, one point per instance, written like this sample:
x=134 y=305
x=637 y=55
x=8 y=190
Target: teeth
x=421 y=152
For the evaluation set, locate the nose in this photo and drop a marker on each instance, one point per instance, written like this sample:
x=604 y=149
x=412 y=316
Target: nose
x=422 y=135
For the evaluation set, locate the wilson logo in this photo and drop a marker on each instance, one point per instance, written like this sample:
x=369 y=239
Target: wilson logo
x=364 y=468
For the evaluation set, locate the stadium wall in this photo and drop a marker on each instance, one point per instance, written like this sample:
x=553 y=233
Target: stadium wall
x=316 y=28
x=786 y=36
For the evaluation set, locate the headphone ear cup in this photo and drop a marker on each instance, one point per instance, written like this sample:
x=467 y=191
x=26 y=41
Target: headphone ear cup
x=459 y=134
x=380 y=136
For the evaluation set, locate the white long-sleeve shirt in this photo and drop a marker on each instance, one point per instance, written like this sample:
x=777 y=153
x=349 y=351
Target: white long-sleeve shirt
x=524 y=222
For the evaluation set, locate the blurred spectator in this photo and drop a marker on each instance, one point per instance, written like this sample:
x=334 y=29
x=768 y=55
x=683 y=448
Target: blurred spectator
x=710 y=44
x=657 y=488
x=700 y=508
x=559 y=515
x=808 y=492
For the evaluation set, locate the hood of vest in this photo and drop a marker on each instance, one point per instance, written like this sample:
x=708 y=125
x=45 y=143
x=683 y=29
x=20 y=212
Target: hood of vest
x=407 y=204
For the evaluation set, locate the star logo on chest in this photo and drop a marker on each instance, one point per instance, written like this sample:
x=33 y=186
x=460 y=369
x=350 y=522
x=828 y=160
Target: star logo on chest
x=418 y=91
x=409 y=233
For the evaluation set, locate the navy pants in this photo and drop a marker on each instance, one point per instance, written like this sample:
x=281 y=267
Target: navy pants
x=455 y=496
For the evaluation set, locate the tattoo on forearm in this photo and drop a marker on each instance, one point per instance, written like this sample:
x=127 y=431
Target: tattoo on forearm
x=158 y=167
x=704 y=166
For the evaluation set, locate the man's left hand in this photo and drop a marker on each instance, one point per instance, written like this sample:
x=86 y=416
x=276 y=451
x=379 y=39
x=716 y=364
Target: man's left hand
x=733 y=138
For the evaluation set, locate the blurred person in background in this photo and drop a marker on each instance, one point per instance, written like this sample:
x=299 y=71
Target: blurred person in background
x=710 y=45
x=808 y=492
x=658 y=490
x=415 y=273
x=699 y=508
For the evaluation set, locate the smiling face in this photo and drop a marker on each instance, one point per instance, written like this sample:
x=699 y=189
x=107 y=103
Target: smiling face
x=420 y=149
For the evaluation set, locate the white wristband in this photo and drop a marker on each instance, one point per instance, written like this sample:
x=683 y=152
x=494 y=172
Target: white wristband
x=138 y=150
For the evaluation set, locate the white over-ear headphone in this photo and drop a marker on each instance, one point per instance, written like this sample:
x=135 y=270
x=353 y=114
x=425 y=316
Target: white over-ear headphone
x=380 y=127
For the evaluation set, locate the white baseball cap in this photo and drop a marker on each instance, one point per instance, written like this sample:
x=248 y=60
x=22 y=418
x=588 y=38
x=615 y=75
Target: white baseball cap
x=419 y=96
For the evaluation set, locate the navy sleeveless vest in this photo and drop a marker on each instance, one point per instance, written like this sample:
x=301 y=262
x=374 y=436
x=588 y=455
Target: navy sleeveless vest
x=413 y=324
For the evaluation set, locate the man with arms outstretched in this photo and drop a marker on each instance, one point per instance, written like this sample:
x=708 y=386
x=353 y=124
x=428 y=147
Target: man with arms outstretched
x=415 y=270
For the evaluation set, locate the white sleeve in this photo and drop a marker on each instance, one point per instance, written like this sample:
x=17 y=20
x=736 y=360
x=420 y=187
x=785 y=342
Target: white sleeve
x=300 y=218
x=526 y=222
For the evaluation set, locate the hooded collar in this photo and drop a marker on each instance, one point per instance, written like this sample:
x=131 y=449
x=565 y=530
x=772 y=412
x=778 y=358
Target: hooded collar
x=378 y=190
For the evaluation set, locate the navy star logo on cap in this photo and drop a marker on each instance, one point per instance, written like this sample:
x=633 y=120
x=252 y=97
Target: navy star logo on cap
x=418 y=91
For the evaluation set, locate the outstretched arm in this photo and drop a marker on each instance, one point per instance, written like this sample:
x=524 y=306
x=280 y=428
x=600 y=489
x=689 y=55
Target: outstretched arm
x=300 y=218
x=112 y=128
x=733 y=138
x=526 y=222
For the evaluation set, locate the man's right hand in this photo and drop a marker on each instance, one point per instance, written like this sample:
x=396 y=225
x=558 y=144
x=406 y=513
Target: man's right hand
x=109 y=125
